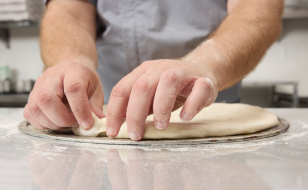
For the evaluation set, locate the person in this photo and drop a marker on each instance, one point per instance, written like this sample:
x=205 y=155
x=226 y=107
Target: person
x=152 y=57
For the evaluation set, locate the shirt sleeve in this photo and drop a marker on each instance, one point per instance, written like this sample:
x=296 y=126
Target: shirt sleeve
x=94 y=2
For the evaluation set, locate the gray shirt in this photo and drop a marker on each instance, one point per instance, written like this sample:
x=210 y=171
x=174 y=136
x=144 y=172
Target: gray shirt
x=140 y=30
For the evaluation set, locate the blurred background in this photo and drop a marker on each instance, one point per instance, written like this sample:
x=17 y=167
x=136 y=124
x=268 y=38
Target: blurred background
x=280 y=80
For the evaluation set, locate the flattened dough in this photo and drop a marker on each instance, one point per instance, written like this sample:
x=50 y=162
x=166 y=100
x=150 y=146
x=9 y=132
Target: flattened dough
x=219 y=119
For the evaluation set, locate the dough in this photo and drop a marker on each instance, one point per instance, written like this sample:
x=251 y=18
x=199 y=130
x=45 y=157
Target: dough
x=219 y=119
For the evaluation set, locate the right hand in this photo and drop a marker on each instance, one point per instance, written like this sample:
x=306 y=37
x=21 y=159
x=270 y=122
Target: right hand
x=75 y=84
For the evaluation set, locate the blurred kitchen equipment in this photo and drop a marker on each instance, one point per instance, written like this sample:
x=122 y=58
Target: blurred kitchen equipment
x=18 y=13
x=7 y=86
x=19 y=10
x=5 y=72
x=295 y=9
x=27 y=86
x=1 y=87
x=295 y=3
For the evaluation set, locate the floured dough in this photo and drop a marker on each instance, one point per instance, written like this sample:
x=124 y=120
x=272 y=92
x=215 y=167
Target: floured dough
x=219 y=119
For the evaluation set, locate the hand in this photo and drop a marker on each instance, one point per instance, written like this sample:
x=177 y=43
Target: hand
x=160 y=86
x=73 y=84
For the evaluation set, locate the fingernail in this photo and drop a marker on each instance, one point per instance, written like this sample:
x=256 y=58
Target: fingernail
x=134 y=136
x=86 y=124
x=111 y=132
x=159 y=125
x=185 y=117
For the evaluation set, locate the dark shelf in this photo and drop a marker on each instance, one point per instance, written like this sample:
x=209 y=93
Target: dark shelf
x=6 y=26
x=17 y=24
x=13 y=100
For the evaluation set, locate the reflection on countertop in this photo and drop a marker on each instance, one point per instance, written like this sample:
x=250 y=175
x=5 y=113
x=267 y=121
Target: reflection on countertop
x=280 y=162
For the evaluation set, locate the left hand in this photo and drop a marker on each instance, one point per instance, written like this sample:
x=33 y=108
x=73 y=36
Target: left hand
x=159 y=87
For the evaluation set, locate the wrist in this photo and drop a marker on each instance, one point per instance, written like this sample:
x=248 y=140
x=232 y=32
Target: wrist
x=81 y=60
x=209 y=61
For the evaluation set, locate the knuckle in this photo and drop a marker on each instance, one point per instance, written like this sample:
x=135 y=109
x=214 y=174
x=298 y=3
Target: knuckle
x=204 y=84
x=114 y=119
x=119 y=91
x=73 y=88
x=135 y=121
x=163 y=111
x=44 y=100
x=31 y=112
x=141 y=86
x=197 y=106
x=171 y=77
x=48 y=71
x=113 y=116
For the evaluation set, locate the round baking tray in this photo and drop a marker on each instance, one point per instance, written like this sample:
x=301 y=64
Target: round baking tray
x=282 y=127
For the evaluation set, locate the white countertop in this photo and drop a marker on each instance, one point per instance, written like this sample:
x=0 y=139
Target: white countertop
x=279 y=162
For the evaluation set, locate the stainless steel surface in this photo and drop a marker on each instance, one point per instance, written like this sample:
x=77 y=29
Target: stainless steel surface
x=26 y=128
x=279 y=162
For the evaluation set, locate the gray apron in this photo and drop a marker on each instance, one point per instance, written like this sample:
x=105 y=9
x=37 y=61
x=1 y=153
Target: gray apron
x=139 y=30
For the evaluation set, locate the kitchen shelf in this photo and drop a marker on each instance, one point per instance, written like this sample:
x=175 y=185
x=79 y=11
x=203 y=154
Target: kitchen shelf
x=295 y=13
x=276 y=95
x=6 y=26
x=13 y=100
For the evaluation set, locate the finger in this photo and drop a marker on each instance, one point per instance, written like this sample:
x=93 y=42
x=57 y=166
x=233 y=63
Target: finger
x=170 y=84
x=31 y=108
x=203 y=94
x=58 y=174
x=118 y=101
x=54 y=109
x=75 y=88
x=98 y=172
x=163 y=177
x=139 y=103
x=82 y=176
x=139 y=176
x=29 y=115
x=37 y=164
x=96 y=101
x=44 y=121
x=116 y=170
x=47 y=94
x=40 y=118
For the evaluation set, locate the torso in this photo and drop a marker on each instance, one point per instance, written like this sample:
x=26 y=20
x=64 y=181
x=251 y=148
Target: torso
x=140 y=30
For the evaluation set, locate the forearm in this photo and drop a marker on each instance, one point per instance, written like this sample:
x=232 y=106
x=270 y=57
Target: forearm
x=68 y=35
x=240 y=42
